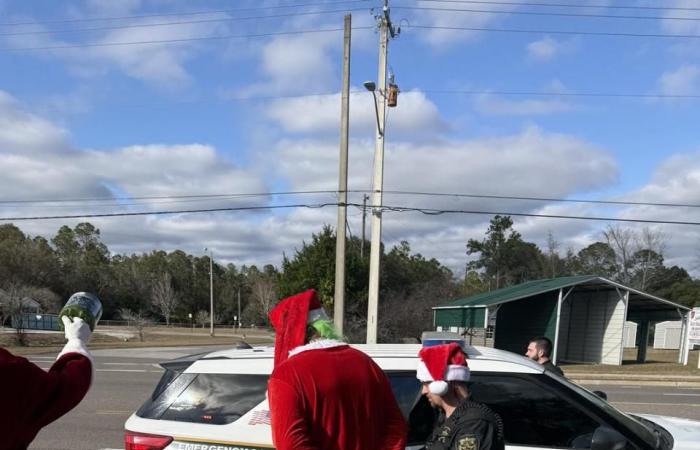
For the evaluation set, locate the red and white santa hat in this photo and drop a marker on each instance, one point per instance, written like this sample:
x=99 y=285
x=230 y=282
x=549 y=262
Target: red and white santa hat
x=290 y=318
x=442 y=363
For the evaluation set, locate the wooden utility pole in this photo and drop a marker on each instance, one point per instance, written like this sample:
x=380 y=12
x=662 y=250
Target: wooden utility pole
x=385 y=29
x=339 y=303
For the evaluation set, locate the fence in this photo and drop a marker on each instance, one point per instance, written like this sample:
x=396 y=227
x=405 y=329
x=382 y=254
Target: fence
x=29 y=321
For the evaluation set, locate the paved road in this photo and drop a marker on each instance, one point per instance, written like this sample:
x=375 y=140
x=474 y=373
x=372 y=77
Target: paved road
x=126 y=377
x=667 y=401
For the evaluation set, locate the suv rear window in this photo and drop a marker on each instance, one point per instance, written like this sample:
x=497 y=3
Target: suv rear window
x=204 y=397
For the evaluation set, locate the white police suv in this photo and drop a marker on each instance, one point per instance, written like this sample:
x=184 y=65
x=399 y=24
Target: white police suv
x=216 y=401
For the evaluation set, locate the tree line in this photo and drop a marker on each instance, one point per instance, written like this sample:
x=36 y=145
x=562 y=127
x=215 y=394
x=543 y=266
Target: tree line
x=174 y=286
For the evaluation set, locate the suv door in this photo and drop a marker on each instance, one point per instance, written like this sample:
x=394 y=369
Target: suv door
x=537 y=412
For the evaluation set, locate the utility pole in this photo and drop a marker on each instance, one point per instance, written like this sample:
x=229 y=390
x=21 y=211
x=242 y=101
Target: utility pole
x=339 y=300
x=239 y=307
x=364 y=217
x=211 y=292
x=385 y=29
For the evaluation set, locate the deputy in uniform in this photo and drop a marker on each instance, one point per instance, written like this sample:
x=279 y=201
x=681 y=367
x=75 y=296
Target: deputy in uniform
x=463 y=424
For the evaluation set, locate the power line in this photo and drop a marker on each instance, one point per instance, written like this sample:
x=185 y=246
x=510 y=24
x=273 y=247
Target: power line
x=436 y=212
x=384 y=208
x=546 y=199
x=170 y=41
x=563 y=32
x=565 y=5
x=545 y=13
x=208 y=197
x=192 y=13
x=562 y=94
x=160 y=213
x=185 y=22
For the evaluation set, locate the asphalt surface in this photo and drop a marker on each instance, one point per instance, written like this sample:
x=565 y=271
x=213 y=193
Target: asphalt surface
x=126 y=377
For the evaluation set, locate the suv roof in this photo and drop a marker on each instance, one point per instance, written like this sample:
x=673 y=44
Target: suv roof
x=388 y=356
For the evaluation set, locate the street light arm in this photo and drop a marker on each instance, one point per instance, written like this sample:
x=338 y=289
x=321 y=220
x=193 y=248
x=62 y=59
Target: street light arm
x=376 y=114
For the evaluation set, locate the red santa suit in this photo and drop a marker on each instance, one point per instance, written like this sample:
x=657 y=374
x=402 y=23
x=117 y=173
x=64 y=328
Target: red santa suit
x=33 y=398
x=326 y=395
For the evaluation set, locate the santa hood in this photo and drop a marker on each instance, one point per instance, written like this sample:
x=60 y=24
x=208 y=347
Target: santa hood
x=290 y=318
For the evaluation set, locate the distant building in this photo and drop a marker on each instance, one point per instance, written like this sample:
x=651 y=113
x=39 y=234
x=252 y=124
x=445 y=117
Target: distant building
x=584 y=316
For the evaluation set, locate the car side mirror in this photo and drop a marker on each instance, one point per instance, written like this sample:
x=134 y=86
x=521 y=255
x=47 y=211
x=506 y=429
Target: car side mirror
x=601 y=394
x=605 y=438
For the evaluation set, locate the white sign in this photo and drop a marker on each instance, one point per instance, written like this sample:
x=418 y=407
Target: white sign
x=694 y=331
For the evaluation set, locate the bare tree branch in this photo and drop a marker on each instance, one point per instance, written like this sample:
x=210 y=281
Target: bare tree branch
x=164 y=297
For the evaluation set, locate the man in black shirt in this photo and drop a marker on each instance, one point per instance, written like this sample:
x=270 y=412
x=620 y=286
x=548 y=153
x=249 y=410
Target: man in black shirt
x=539 y=350
x=463 y=424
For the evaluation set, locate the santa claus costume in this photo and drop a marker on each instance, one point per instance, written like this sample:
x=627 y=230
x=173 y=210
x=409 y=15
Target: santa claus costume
x=32 y=398
x=325 y=394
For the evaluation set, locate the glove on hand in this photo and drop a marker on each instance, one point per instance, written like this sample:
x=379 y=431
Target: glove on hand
x=76 y=329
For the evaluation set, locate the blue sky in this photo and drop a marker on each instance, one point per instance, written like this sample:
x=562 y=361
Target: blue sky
x=210 y=114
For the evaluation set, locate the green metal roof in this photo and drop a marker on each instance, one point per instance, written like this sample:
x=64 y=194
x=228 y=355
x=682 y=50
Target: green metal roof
x=516 y=292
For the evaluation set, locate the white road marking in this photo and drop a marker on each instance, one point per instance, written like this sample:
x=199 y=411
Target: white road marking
x=125 y=364
x=682 y=394
x=656 y=404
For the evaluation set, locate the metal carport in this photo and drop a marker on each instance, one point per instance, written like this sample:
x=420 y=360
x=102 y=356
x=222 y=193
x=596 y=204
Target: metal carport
x=584 y=317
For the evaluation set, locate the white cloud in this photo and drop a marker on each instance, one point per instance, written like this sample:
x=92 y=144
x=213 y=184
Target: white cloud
x=491 y=104
x=321 y=114
x=162 y=65
x=531 y=163
x=547 y=49
x=682 y=81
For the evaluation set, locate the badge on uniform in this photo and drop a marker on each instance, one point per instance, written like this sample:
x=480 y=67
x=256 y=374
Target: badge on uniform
x=468 y=443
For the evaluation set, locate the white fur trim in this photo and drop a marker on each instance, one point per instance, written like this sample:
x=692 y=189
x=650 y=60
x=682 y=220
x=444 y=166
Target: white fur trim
x=78 y=346
x=438 y=387
x=316 y=314
x=422 y=372
x=316 y=345
x=453 y=373
x=457 y=373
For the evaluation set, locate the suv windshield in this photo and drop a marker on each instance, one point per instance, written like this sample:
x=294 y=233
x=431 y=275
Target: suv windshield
x=642 y=431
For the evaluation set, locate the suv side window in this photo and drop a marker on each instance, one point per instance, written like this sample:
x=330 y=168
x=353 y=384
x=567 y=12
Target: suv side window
x=414 y=406
x=532 y=412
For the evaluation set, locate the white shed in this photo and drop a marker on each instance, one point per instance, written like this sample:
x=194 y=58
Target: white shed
x=668 y=335
x=629 y=336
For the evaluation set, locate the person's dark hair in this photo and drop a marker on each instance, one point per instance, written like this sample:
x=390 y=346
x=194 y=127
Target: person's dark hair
x=543 y=344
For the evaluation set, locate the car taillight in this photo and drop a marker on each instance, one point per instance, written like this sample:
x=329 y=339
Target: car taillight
x=142 y=441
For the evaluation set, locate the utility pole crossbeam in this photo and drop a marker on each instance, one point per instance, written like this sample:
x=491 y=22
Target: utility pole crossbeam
x=385 y=29
x=339 y=298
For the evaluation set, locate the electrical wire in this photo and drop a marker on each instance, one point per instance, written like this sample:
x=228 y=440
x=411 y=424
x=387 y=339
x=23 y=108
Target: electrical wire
x=170 y=41
x=208 y=197
x=562 y=32
x=384 y=208
x=186 y=22
x=192 y=13
x=561 y=94
x=564 y=5
x=170 y=212
x=545 y=13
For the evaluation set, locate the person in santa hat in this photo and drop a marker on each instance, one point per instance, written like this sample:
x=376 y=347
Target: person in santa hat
x=463 y=424
x=323 y=394
x=32 y=398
